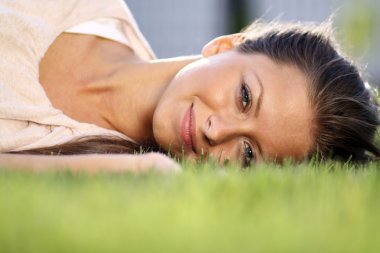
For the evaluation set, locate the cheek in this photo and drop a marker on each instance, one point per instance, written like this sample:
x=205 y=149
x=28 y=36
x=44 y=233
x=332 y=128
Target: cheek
x=194 y=80
x=182 y=87
x=213 y=88
x=201 y=75
x=228 y=151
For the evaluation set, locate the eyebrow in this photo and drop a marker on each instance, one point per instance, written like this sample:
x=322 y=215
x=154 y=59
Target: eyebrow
x=260 y=97
x=258 y=106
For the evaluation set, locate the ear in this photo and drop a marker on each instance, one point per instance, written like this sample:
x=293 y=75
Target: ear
x=222 y=44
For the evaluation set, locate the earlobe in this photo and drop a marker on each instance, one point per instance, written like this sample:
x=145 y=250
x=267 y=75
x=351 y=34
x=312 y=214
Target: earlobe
x=222 y=44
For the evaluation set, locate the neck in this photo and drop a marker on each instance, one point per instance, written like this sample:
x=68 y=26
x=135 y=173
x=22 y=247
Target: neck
x=131 y=93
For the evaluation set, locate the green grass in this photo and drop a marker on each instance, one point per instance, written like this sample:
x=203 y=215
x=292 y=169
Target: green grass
x=290 y=208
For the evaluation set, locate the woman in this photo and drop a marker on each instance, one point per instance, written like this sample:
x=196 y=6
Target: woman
x=79 y=78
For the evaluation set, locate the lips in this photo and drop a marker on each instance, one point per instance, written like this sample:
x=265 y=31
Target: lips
x=188 y=129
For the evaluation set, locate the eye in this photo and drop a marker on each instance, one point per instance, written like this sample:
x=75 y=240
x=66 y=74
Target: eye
x=245 y=97
x=248 y=154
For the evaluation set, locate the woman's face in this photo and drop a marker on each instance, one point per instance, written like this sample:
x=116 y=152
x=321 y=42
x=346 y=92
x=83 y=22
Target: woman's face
x=236 y=107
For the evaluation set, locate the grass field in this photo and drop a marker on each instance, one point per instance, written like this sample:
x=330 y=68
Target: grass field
x=290 y=208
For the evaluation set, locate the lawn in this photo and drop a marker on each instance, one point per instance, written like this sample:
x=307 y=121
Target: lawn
x=291 y=208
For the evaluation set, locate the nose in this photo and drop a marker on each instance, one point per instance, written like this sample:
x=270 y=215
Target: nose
x=218 y=129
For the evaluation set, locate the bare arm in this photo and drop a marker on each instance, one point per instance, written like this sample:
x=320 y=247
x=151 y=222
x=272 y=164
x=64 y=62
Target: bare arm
x=91 y=163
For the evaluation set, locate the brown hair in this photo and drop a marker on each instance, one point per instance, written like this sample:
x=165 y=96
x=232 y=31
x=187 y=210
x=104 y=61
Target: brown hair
x=346 y=115
x=345 y=112
x=90 y=145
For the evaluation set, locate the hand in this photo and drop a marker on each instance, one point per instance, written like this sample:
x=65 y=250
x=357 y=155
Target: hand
x=157 y=162
x=137 y=163
x=92 y=163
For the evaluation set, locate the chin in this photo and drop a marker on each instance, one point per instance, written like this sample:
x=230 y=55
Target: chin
x=161 y=135
x=163 y=129
x=167 y=142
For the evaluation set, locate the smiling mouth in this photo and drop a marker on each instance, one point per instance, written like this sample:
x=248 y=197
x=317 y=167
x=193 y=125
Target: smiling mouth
x=188 y=129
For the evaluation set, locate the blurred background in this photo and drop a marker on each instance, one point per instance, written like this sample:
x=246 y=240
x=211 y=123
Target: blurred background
x=182 y=27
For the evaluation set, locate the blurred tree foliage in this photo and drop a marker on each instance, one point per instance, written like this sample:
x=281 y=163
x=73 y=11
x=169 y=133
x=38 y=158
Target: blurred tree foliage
x=238 y=15
x=358 y=24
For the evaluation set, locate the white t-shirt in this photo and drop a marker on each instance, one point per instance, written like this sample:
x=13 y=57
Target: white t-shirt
x=27 y=118
x=109 y=28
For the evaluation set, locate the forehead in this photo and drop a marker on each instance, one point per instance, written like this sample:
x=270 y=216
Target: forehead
x=283 y=126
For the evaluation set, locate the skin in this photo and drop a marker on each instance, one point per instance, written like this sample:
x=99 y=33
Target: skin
x=108 y=85
x=275 y=129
